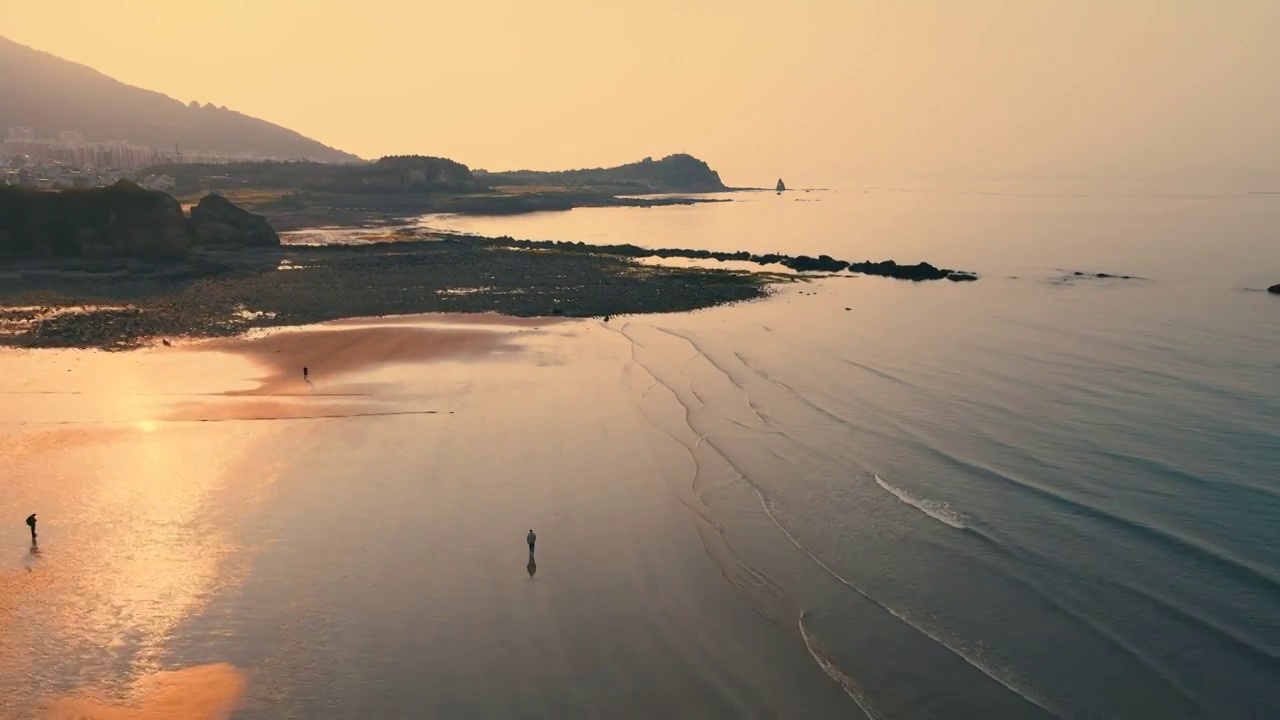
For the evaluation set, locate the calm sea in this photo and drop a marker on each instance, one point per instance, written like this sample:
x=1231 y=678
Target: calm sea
x=1042 y=492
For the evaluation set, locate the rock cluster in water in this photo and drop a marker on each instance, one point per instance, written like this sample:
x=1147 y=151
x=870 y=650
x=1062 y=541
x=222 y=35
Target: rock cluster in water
x=800 y=263
x=1274 y=289
x=1102 y=275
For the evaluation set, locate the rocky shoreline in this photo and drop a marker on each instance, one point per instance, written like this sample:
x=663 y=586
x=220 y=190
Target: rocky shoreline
x=308 y=210
x=122 y=304
x=799 y=263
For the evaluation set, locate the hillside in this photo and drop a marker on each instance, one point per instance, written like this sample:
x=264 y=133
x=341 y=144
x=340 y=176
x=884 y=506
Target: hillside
x=49 y=95
x=674 y=173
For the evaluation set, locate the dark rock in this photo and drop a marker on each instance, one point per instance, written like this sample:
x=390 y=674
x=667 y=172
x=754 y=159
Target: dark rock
x=1077 y=273
x=799 y=263
x=962 y=277
x=822 y=263
x=1274 y=289
x=891 y=269
x=1104 y=275
x=216 y=221
x=123 y=220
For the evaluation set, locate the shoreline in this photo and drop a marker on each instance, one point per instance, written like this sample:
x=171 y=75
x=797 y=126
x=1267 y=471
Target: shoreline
x=120 y=304
x=289 y=211
x=468 y=475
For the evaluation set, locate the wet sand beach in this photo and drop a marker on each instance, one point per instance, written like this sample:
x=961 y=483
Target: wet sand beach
x=353 y=545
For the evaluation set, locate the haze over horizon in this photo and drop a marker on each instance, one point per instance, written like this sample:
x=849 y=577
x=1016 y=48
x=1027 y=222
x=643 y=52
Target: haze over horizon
x=819 y=93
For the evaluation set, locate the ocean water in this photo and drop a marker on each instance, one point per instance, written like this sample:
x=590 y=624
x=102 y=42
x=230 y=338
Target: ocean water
x=1039 y=494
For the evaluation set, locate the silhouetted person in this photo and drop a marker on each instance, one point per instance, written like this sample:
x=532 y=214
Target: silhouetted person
x=31 y=523
x=532 y=538
x=304 y=372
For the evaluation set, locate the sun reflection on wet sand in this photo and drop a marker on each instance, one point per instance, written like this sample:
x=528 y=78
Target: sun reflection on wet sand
x=138 y=531
x=142 y=510
x=203 y=692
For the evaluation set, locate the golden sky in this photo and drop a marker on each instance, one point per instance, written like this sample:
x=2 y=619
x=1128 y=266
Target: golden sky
x=817 y=91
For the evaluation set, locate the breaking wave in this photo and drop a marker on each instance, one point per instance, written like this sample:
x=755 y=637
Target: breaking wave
x=939 y=511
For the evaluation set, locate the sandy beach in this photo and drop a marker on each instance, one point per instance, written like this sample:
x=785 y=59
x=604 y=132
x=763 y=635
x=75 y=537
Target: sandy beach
x=353 y=545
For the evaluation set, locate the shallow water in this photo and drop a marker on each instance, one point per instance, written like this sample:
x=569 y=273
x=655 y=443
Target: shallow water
x=1070 y=484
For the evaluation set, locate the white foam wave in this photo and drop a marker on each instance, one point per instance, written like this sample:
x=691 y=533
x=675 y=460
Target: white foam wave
x=844 y=681
x=939 y=511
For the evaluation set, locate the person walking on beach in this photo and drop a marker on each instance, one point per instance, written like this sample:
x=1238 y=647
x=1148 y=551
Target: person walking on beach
x=304 y=372
x=531 y=538
x=31 y=523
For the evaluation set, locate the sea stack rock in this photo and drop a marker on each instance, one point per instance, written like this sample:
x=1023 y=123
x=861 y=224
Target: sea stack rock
x=1274 y=289
x=781 y=185
x=216 y=221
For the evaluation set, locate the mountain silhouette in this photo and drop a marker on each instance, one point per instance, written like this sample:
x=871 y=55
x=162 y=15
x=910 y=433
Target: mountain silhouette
x=49 y=95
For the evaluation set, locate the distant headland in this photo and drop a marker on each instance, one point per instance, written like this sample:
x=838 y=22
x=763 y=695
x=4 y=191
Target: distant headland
x=679 y=173
x=294 y=195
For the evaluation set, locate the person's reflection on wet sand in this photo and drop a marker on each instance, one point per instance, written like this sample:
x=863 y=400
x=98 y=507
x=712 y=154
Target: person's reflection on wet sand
x=32 y=557
x=532 y=567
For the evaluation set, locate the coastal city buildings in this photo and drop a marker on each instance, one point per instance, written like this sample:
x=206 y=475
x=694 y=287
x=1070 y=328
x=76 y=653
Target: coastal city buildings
x=71 y=161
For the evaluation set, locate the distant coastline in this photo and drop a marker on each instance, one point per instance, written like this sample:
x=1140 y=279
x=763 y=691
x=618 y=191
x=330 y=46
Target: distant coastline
x=118 y=267
x=299 y=211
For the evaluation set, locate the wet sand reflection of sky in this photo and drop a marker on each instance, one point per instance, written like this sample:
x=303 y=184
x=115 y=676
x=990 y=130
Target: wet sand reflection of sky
x=203 y=692
x=142 y=500
x=135 y=536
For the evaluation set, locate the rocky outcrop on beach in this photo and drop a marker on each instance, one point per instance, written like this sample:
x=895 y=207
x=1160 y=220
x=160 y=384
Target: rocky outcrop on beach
x=122 y=220
x=216 y=221
x=234 y=292
x=1274 y=289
